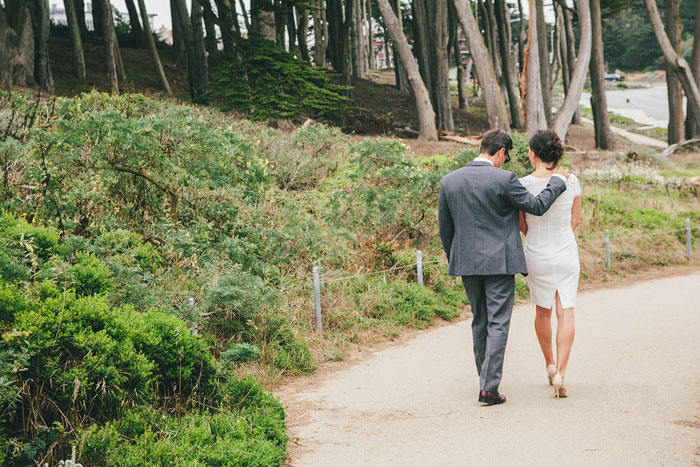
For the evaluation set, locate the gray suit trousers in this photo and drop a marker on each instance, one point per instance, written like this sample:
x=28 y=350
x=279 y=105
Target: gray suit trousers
x=491 y=299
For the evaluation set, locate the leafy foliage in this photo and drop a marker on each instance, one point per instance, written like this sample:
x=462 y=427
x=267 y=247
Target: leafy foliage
x=235 y=436
x=263 y=80
x=240 y=353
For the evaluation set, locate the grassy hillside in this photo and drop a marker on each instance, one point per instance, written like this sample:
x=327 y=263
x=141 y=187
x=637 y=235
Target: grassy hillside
x=118 y=210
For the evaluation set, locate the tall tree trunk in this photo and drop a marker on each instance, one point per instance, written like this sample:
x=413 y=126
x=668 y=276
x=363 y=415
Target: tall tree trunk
x=560 y=122
x=673 y=84
x=262 y=19
x=506 y=59
x=488 y=37
x=79 y=6
x=399 y=71
x=121 y=71
x=152 y=51
x=563 y=48
x=421 y=42
x=426 y=115
x=199 y=51
x=110 y=47
x=461 y=67
x=535 y=118
x=348 y=56
x=442 y=79
x=178 y=38
x=210 y=19
x=244 y=13
x=599 y=101
x=292 y=30
x=521 y=36
x=326 y=37
x=97 y=16
x=356 y=37
x=197 y=78
x=571 y=54
x=302 y=32
x=692 y=130
x=41 y=22
x=679 y=65
x=336 y=39
x=76 y=41
x=371 y=55
x=280 y=23
x=545 y=74
x=320 y=34
x=494 y=39
x=228 y=23
x=17 y=51
x=136 y=30
x=493 y=99
x=431 y=38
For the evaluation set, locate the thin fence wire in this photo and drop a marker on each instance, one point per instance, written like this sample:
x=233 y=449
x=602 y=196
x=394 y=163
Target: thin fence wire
x=653 y=234
x=357 y=276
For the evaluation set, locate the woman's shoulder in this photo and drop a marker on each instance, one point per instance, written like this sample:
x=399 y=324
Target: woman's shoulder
x=572 y=183
x=526 y=180
x=573 y=180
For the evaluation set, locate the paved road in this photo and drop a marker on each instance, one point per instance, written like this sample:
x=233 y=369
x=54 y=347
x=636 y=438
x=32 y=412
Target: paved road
x=634 y=382
x=648 y=106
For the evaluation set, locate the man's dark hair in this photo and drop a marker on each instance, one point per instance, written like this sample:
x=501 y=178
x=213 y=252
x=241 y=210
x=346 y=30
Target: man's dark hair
x=493 y=140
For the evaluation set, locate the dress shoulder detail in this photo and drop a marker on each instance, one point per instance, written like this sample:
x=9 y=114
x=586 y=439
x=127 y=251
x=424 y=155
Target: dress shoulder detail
x=574 y=185
x=525 y=181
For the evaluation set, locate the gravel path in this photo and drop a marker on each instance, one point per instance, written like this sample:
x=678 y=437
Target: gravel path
x=633 y=379
x=636 y=138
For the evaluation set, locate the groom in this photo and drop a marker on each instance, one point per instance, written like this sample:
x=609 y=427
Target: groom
x=479 y=228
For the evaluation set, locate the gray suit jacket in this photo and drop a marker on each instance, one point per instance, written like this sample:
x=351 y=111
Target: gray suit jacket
x=479 y=223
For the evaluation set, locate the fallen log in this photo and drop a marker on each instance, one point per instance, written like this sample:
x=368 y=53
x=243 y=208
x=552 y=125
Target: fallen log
x=674 y=148
x=460 y=139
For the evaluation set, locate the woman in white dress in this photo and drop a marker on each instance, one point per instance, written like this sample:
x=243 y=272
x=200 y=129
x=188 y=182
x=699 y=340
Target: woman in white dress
x=551 y=254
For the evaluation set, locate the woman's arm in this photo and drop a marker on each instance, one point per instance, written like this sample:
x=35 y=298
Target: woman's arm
x=523 y=223
x=575 y=213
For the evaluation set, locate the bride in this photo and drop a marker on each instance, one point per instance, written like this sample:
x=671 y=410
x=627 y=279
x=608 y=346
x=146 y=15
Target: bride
x=551 y=255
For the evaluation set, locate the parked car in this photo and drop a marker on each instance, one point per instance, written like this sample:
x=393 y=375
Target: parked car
x=614 y=77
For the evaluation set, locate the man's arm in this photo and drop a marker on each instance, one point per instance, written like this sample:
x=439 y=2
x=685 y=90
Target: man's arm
x=522 y=199
x=445 y=222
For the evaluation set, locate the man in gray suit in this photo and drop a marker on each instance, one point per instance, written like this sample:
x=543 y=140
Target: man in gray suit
x=479 y=228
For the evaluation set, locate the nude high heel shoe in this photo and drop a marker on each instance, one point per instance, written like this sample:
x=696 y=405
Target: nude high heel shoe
x=559 y=388
x=551 y=371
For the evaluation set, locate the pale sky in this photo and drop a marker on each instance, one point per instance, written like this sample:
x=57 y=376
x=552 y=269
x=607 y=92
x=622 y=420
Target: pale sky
x=162 y=9
x=159 y=7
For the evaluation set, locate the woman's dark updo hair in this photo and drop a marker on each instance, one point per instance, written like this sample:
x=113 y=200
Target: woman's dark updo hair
x=547 y=146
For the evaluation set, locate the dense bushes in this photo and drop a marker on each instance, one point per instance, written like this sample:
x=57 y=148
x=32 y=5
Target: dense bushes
x=121 y=209
x=69 y=357
x=263 y=80
x=248 y=431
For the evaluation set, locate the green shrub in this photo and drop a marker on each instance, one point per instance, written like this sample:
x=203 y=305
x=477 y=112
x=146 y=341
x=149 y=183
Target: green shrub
x=391 y=197
x=90 y=276
x=12 y=301
x=410 y=304
x=234 y=301
x=308 y=157
x=263 y=80
x=248 y=431
x=240 y=353
x=90 y=361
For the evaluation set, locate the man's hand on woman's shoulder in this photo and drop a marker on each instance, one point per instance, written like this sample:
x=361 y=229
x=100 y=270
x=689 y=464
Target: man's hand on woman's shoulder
x=562 y=172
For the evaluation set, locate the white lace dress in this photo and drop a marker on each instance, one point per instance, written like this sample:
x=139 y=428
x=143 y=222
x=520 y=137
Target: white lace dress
x=550 y=247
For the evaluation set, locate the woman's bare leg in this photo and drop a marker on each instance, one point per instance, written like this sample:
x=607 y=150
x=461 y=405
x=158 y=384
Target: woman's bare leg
x=543 y=329
x=565 y=335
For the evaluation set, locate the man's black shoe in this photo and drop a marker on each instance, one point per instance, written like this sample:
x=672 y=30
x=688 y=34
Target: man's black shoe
x=491 y=398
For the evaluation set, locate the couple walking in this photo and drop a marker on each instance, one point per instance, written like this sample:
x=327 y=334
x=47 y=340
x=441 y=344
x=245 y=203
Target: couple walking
x=481 y=211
